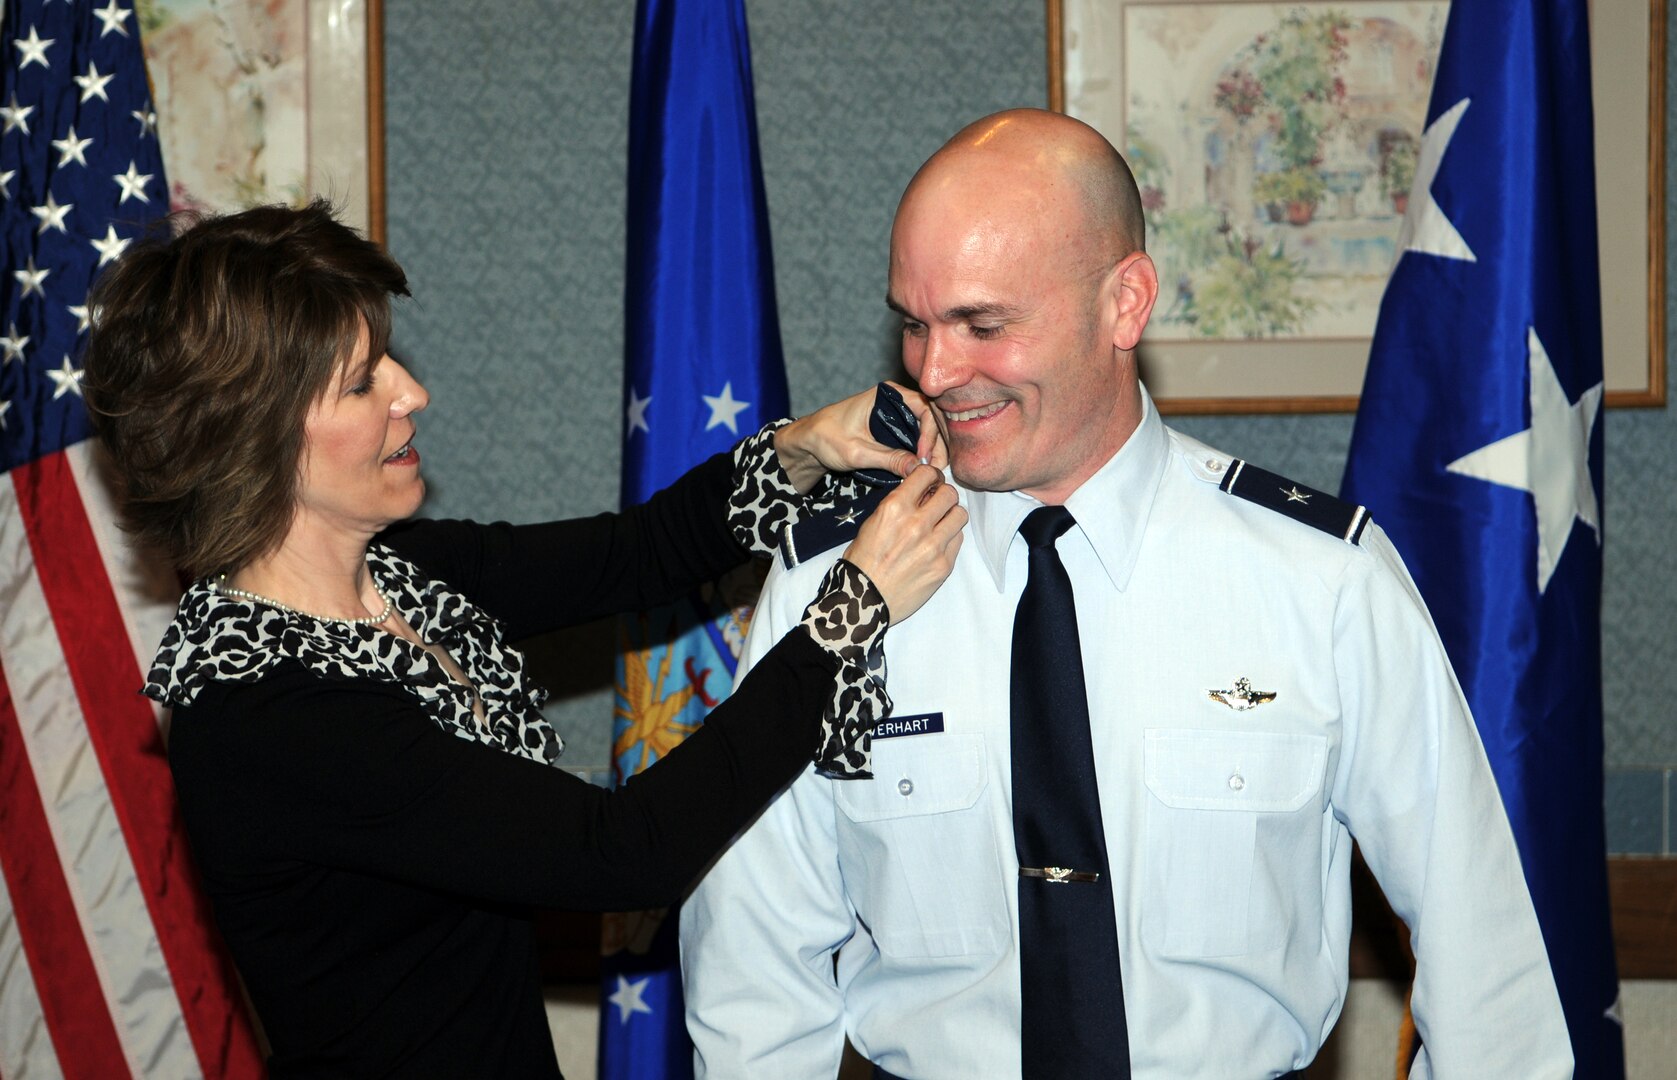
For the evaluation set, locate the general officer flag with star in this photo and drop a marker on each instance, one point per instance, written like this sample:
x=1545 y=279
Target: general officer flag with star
x=703 y=367
x=1478 y=447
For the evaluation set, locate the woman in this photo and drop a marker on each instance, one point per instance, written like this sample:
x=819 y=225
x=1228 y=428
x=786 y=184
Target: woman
x=362 y=768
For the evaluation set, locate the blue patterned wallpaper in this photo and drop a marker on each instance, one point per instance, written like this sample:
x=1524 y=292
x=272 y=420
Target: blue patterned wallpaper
x=506 y=128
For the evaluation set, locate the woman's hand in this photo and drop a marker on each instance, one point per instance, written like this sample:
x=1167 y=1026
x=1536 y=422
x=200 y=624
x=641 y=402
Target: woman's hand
x=836 y=439
x=908 y=545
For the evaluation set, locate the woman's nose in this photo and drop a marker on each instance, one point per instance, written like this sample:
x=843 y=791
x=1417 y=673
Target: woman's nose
x=411 y=395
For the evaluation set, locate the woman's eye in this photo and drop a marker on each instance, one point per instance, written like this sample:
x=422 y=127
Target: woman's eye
x=362 y=388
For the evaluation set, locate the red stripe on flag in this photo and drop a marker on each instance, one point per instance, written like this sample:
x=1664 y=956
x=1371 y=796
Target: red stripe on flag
x=123 y=730
x=72 y=1001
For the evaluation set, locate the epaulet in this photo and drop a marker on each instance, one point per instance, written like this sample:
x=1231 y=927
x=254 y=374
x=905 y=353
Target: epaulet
x=826 y=529
x=1315 y=508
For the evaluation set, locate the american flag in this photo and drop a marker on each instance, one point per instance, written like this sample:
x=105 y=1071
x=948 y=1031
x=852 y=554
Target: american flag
x=109 y=963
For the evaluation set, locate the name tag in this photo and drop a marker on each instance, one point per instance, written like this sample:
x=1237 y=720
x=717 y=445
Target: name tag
x=896 y=726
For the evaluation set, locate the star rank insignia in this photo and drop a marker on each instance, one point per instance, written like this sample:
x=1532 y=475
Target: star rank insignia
x=1242 y=697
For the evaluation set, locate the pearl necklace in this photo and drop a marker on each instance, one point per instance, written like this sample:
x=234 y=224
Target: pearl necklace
x=220 y=585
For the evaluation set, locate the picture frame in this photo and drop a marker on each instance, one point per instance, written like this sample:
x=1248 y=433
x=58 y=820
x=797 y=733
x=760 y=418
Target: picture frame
x=1323 y=372
x=262 y=101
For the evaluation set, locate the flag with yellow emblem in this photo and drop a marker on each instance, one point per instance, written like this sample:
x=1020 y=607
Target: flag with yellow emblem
x=702 y=369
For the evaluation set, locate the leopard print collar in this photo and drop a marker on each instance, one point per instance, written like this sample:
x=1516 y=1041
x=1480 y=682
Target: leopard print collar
x=221 y=638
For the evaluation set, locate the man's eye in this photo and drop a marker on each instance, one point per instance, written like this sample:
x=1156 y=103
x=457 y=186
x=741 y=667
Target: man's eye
x=985 y=333
x=912 y=328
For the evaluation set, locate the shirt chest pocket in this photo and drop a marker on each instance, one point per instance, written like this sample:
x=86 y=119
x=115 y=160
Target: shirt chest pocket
x=1233 y=840
x=917 y=848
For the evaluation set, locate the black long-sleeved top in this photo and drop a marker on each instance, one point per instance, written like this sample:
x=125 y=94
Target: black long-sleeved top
x=372 y=872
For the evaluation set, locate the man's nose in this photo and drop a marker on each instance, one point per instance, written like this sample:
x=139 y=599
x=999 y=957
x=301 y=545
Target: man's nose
x=943 y=367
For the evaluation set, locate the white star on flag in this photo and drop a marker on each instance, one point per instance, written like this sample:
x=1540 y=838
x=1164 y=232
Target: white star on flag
x=113 y=17
x=1550 y=459
x=133 y=184
x=111 y=246
x=724 y=409
x=13 y=343
x=637 y=412
x=5 y=407
x=71 y=148
x=627 y=998
x=15 y=115
x=33 y=50
x=6 y=183
x=51 y=214
x=1425 y=227
x=148 y=121
x=31 y=278
x=93 y=83
x=80 y=312
x=66 y=379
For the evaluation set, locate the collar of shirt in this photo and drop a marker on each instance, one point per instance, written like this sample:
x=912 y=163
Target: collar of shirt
x=1111 y=507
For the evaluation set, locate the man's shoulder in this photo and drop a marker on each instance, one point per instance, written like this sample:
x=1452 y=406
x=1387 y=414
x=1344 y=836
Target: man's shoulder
x=1266 y=498
x=793 y=580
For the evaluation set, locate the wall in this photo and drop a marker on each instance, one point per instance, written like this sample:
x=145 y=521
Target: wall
x=507 y=126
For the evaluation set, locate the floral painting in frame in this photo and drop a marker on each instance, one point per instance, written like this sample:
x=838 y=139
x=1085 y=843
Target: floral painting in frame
x=264 y=101
x=1274 y=146
x=1274 y=143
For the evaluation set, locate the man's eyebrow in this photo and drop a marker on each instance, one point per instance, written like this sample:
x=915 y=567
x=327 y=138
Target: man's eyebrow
x=968 y=312
x=960 y=313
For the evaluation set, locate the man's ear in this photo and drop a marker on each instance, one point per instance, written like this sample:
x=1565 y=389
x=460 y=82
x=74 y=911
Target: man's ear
x=1134 y=285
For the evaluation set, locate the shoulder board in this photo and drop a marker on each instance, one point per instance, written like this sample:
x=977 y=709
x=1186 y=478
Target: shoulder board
x=1315 y=508
x=824 y=530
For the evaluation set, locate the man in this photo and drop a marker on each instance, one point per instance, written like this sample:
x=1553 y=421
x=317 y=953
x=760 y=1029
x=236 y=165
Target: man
x=1147 y=874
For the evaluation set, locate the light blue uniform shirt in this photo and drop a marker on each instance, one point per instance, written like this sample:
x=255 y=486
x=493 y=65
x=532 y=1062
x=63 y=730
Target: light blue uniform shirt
x=1228 y=831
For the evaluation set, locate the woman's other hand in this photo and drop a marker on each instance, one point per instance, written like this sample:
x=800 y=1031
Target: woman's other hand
x=836 y=439
x=907 y=547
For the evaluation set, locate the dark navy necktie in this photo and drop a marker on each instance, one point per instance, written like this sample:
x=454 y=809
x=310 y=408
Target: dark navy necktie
x=1071 y=990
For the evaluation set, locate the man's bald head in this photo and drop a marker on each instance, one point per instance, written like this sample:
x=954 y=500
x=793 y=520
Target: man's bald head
x=1017 y=266
x=1039 y=162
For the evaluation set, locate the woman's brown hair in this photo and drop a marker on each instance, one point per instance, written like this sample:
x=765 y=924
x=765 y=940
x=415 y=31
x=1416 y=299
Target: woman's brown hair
x=206 y=350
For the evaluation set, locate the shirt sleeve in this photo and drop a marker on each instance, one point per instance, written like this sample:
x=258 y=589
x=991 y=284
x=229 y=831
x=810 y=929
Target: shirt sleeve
x=356 y=776
x=764 y=501
x=1416 y=790
x=850 y=617
x=759 y=933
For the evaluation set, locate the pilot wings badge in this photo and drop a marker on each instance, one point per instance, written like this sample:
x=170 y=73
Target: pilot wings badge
x=1242 y=697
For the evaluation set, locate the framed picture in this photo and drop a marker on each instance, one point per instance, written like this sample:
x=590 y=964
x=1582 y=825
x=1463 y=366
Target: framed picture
x=1219 y=104
x=262 y=101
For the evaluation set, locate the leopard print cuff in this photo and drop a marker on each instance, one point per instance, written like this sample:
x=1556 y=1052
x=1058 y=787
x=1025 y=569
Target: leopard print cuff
x=763 y=502
x=849 y=618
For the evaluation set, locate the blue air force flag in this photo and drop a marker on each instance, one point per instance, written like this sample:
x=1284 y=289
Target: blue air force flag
x=1478 y=447
x=702 y=368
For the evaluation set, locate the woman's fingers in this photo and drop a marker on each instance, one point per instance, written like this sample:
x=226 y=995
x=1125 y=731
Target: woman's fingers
x=908 y=545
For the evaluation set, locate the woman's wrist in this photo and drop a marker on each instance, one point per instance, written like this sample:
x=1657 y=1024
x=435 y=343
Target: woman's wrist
x=849 y=616
x=794 y=447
